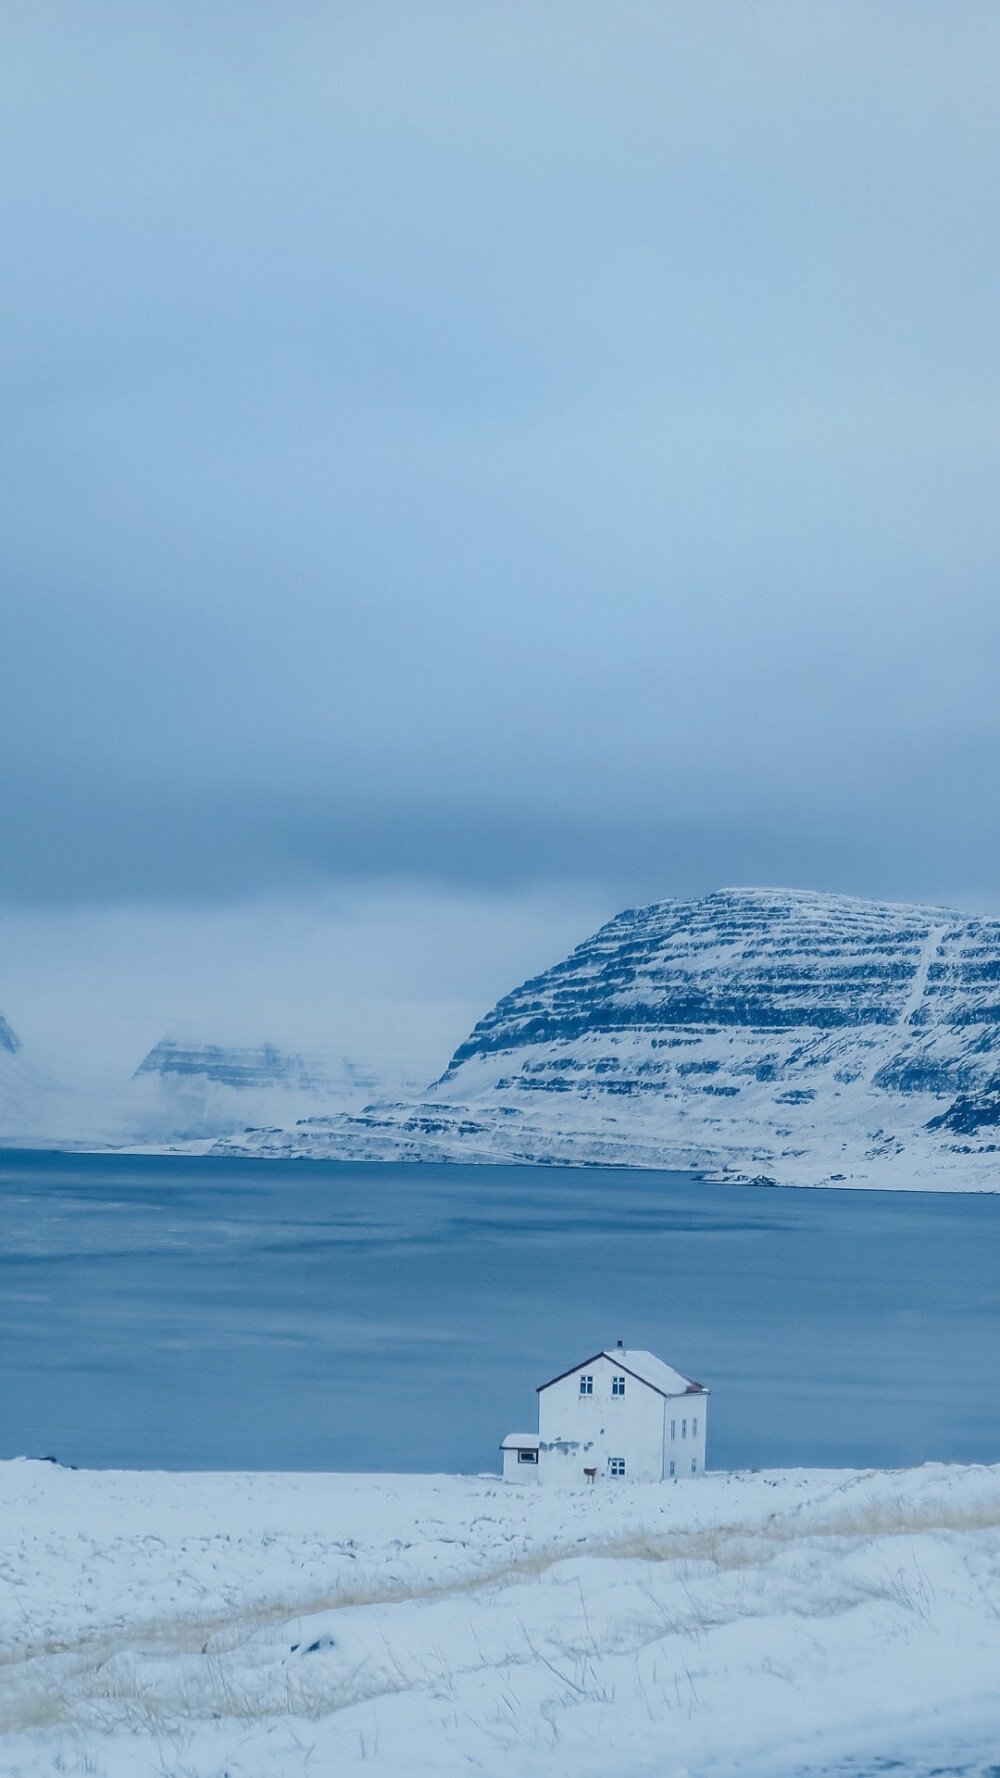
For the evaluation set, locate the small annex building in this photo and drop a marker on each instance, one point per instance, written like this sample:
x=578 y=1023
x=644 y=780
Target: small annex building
x=621 y=1415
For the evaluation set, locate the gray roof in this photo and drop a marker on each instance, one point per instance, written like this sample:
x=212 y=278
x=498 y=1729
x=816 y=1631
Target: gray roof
x=643 y=1365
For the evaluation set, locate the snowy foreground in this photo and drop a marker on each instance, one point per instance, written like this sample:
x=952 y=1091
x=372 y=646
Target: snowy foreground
x=251 y=1625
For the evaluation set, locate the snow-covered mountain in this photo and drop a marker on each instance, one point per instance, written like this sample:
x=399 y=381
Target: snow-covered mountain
x=806 y=1038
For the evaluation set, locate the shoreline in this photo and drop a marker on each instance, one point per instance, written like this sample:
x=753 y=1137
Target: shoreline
x=208 y=1148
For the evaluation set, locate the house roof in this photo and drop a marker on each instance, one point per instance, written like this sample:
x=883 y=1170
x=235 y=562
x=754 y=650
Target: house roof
x=643 y=1365
x=520 y=1441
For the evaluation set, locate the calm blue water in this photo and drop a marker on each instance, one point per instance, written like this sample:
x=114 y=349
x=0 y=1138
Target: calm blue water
x=227 y=1314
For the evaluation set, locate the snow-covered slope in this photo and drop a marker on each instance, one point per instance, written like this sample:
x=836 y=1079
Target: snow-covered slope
x=795 y=1625
x=806 y=1038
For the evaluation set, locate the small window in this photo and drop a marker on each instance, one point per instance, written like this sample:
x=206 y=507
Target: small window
x=684 y=1429
x=694 y=1466
x=618 y=1385
x=694 y=1429
x=673 y=1467
x=586 y=1385
x=616 y=1466
x=527 y=1456
x=673 y=1428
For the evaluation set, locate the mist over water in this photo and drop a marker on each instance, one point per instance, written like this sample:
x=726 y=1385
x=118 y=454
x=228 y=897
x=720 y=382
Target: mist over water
x=187 y=1313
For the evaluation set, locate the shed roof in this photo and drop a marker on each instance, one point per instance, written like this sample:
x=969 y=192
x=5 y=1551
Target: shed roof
x=643 y=1365
x=520 y=1441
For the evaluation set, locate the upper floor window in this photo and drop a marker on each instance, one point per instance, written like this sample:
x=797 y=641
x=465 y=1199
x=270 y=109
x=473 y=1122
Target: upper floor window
x=673 y=1428
x=616 y=1466
x=684 y=1429
x=586 y=1385
x=618 y=1385
x=694 y=1429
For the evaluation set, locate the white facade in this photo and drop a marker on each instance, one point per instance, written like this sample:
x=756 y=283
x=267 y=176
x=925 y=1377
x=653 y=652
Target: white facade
x=520 y=1457
x=622 y=1415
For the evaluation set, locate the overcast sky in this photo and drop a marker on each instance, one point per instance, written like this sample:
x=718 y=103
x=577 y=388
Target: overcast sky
x=532 y=451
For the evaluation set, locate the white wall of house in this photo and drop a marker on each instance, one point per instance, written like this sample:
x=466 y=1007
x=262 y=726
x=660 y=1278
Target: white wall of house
x=685 y=1424
x=520 y=1461
x=602 y=1426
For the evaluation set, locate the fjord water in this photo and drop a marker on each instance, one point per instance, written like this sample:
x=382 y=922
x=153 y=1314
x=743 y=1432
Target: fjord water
x=183 y=1312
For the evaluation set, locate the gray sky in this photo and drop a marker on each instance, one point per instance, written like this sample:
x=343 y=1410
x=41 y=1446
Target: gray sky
x=519 y=450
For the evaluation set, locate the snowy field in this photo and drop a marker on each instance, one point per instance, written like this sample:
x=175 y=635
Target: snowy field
x=244 y=1626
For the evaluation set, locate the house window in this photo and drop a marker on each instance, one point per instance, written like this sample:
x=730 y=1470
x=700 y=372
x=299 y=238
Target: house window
x=586 y=1385
x=673 y=1467
x=618 y=1385
x=684 y=1429
x=694 y=1466
x=616 y=1466
x=694 y=1429
x=673 y=1428
x=527 y=1456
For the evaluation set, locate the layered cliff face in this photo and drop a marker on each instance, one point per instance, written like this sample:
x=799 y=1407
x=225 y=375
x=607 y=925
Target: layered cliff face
x=801 y=1037
x=245 y=1070
x=747 y=961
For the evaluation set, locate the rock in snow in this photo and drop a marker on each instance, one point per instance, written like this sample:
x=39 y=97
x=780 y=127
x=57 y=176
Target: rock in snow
x=803 y=1038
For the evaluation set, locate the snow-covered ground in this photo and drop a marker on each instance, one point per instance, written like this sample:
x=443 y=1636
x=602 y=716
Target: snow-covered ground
x=263 y=1626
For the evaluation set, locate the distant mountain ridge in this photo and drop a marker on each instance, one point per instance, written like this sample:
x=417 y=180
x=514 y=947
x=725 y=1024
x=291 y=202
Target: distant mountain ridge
x=181 y=1093
x=242 y=1069
x=808 y=1038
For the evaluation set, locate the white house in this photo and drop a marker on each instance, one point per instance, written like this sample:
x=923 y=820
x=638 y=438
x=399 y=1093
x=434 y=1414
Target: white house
x=622 y=1415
